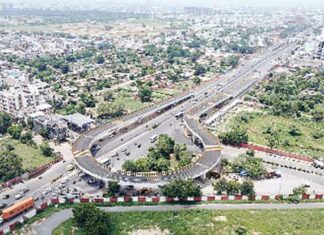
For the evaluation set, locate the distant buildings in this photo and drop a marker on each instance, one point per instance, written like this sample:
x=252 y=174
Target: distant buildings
x=319 y=50
x=198 y=10
x=24 y=98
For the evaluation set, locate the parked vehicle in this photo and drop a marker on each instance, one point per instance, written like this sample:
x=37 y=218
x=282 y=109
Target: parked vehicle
x=153 y=138
x=6 y=196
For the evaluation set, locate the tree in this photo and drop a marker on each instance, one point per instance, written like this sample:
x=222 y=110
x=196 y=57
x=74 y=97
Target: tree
x=299 y=190
x=247 y=188
x=5 y=122
x=108 y=96
x=273 y=139
x=220 y=186
x=145 y=93
x=318 y=113
x=46 y=149
x=10 y=165
x=181 y=188
x=65 y=68
x=88 y=99
x=15 y=131
x=113 y=188
x=26 y=137
x=162 y=165
x=107 y=109
x=100 y=59
x=233 y=187
x=200 y=70
x=294 y=131
x=165 y=145
x=129 y=165
x=234 y=136
x=196 y=80
x=45 y=132
x=92 y=220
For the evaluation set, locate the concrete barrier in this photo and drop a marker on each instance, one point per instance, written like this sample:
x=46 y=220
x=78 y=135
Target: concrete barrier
x=98 y=200
x=238 y=197
x=54 y=200
x=224 y=197
x=141 y=199
x=113 y=199
x=128 y=199
x=155 y=199
x=305 y=196
x=169 y=199
x=197 y=199
x=265 y=197
x=84 y=200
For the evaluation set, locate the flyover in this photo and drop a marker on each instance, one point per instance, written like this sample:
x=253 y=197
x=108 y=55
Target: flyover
x=196 y=106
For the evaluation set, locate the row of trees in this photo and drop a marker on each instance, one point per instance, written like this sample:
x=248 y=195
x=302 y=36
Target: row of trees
x=231 y=187
x=181 y=189
x=234 y=137
x=246 y=165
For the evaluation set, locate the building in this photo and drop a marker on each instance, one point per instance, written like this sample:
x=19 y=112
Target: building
x=55 y=126
x=78 y=122
x=319 y=50
x=23 y=99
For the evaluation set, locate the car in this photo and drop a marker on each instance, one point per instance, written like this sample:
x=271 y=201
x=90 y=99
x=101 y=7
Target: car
x=25 y=190
x=6 y=196
x=18 y=196
x=3 y=205
x=124 y=150
x=139 y=145
x=115 y=154
x=91 y=181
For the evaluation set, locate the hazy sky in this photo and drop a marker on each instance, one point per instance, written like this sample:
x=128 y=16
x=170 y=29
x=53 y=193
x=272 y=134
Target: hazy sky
x=209 y=3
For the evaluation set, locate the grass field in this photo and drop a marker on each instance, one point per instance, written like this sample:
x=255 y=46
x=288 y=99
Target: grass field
x=257 y=124
x=32 y=157
x=301 y=222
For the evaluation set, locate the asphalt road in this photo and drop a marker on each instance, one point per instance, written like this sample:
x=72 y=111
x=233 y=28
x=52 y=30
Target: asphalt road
x=46 y=226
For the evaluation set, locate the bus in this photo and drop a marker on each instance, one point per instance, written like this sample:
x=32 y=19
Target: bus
x=17 y=208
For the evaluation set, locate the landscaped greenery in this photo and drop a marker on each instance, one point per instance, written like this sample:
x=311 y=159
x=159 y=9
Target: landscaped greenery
x=213 y=222
x=291 y=118
x=286 y=133
x=166 y=155
x=31 y=156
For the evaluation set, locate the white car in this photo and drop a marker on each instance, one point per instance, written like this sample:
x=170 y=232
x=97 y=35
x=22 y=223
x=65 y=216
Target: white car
x=18 y=196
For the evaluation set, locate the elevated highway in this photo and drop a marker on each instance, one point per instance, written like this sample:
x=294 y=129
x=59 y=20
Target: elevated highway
x=195 y=106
